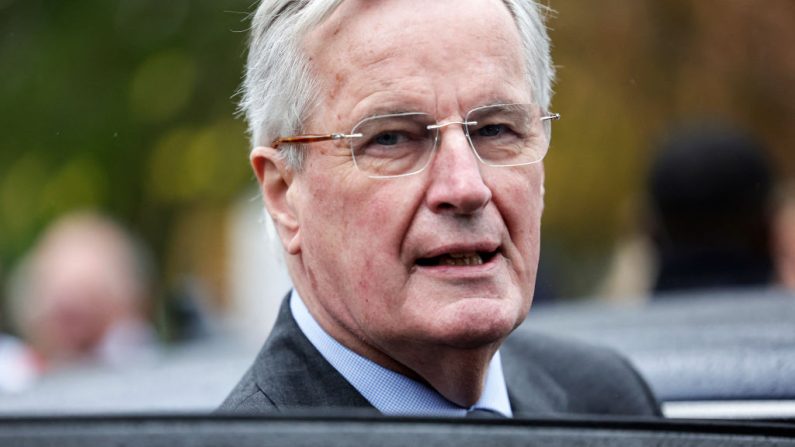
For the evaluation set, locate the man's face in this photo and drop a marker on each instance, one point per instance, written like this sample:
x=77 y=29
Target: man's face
x=83 y=287
x=386 y=261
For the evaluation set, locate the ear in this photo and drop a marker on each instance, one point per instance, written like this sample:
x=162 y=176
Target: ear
x=275 y=180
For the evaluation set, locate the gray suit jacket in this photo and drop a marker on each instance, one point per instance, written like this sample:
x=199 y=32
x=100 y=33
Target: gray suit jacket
x=544 y=376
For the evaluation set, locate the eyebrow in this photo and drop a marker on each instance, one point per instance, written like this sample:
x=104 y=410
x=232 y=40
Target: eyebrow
x=391 y=110
x=496 y=100
x=394 y=110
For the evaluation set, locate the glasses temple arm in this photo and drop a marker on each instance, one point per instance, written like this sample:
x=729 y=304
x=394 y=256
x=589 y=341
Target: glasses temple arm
x=308 y=139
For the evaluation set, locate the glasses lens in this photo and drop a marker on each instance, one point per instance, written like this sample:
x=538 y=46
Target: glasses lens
x=508 y=135
x=393 y=145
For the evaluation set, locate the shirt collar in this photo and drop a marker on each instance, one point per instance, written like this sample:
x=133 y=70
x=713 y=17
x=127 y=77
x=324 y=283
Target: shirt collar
x=389 y=392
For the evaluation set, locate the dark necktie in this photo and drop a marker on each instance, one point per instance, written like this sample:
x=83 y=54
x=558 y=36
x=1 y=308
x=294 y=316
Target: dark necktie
x=484 y=414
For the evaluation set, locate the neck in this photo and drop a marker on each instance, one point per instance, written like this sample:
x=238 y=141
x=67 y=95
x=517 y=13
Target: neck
x=458 y=374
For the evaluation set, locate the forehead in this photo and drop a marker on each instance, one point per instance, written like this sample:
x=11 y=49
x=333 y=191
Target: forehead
x=418 y=48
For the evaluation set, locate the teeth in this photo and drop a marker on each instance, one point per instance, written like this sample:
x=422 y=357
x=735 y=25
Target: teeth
x=458 y=259
x=462 y=255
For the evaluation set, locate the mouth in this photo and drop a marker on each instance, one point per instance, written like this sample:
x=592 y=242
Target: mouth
x=458 y=259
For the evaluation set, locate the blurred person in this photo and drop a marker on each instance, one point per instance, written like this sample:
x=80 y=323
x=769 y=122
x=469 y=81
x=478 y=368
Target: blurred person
x=784 y=236
x=710 y=190
x=631 y=271
x=81 y=294
x=412 y=231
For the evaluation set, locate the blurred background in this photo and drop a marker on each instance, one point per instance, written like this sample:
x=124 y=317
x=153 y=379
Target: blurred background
x=628 y=73
x=124 y=112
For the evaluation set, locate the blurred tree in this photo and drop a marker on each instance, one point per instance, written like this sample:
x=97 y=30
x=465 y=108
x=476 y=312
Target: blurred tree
x=122 y=106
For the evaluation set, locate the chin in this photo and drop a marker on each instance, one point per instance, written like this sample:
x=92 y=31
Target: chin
x=479 y=322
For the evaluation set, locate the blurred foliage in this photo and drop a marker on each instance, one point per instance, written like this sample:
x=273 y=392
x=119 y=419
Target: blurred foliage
x=123 y=106
x=127 y=106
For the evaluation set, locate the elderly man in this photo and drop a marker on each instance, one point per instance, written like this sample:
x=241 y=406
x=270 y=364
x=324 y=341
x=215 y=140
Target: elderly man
x=398 y=145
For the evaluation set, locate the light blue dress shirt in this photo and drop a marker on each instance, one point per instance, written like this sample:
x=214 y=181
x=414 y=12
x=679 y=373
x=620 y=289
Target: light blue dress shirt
x=390 y=392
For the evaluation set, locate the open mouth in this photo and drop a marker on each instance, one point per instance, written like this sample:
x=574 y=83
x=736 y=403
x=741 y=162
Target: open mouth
x=458 y=259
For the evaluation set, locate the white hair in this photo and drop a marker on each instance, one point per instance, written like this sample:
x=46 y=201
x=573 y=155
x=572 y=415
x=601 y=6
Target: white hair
x=279 y=90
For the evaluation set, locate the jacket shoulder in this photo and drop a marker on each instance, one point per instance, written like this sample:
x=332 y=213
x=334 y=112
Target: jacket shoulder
x=246 y=398
x=590 y=379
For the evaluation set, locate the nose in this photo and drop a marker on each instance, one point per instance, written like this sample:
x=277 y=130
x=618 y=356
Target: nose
x=456 y=183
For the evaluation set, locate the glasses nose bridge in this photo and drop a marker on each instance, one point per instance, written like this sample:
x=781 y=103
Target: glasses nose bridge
x=464 y=127
x=441 y=125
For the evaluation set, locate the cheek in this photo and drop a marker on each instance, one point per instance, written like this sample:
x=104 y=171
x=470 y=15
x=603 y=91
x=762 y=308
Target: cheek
x=521 y=201
x=360 y=225
x=375 y=233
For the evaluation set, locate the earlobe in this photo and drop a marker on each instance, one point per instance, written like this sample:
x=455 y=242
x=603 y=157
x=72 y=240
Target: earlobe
x=276 y=181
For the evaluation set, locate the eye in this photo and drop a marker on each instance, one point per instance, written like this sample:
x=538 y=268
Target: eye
x=491 y=130
x=389 y=143
x=389 y=138
x=392 y=136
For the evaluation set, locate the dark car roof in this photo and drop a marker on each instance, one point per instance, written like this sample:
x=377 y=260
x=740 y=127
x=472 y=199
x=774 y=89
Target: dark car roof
x=339 y=430
x=716 y=346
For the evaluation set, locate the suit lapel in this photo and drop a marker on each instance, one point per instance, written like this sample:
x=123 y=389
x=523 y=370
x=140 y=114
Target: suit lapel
x=293 y=374
x=531 y=389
